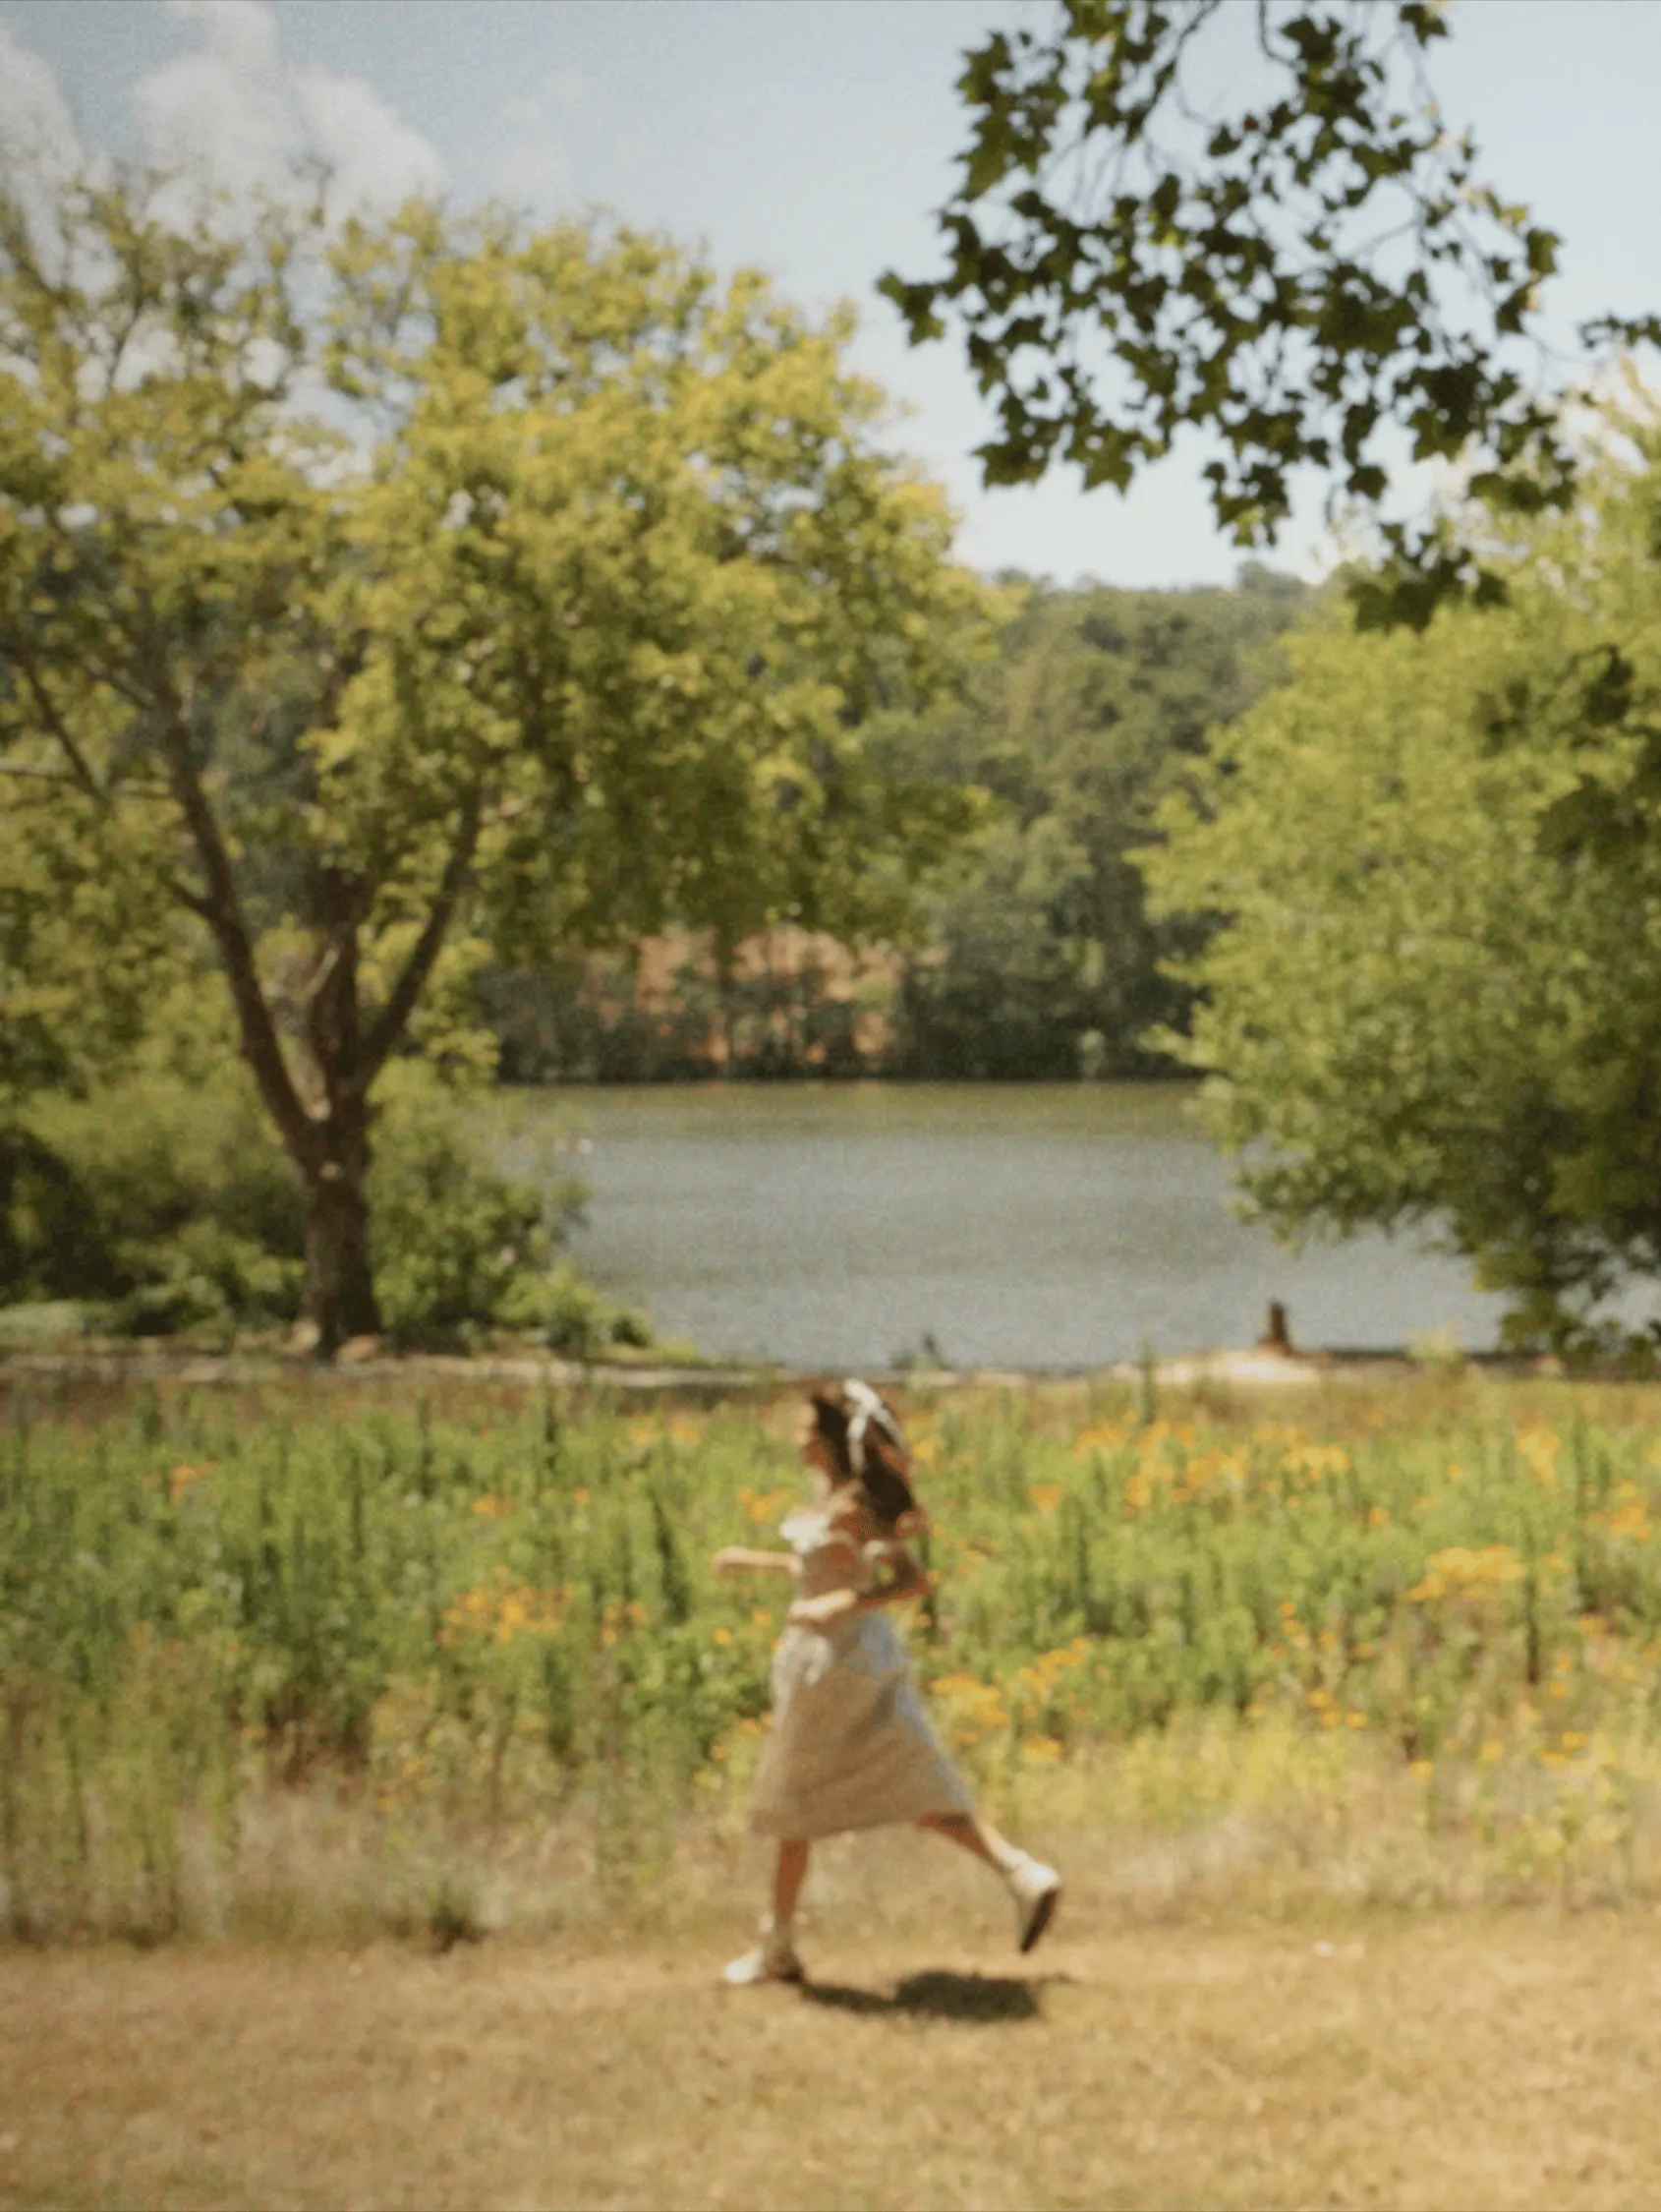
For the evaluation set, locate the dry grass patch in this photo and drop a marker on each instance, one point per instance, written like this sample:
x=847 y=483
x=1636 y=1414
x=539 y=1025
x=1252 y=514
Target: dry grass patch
x=1454 y=2060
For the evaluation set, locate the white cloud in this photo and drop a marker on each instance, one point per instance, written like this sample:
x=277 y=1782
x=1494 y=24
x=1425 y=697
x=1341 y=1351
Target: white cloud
x=532 y=169
x=561 y=88
x=234 y=115
x=377 y=159
x=223 y=113
x=38 y=145
x=35 y=125
x=535 y=164
x=40 y=149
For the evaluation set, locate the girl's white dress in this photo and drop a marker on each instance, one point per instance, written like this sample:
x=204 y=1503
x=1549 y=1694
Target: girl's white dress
x=851 y=1745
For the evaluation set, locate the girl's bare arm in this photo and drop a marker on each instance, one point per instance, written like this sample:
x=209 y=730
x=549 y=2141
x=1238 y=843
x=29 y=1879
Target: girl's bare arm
x=739 y=1560
x=906 y=1579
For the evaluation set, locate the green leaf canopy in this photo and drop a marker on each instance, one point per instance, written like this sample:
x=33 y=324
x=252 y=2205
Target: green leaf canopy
x=1435 y=999
x=438 y=587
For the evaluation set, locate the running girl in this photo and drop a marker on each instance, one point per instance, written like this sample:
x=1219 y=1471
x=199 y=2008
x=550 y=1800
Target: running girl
x=851 y=1744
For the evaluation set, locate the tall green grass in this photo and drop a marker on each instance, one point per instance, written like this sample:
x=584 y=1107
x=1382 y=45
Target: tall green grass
x=494 y=1619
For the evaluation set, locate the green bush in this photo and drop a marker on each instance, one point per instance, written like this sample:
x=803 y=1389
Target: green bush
x=456 y=1244
x=204 y=1275
x=168 y=1198
x=187 y=1212
x=570 y=1315
x=48 y=1242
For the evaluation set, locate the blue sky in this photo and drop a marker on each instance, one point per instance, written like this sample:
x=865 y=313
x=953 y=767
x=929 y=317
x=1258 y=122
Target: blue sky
x=813 y=137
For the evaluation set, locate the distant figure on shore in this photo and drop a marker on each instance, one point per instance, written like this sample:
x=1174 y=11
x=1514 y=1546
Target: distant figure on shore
x=851 y=1745
x=1275 y=1337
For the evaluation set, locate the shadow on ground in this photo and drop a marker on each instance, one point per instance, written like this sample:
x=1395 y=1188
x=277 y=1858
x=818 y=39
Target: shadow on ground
x=979 y=1998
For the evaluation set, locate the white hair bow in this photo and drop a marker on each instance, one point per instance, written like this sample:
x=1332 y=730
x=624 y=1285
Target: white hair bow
x=867 y=1408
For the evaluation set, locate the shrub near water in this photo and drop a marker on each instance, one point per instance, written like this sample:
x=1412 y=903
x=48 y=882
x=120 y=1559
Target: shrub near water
x=501 y=1625
x=165 y=1200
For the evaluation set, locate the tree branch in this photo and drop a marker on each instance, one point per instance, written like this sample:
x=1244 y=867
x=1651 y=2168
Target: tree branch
x=389 y=1024
x=221 y=910
x=47 y=709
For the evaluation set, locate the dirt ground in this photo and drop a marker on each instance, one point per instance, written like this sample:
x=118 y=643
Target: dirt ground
x=1460 y=2060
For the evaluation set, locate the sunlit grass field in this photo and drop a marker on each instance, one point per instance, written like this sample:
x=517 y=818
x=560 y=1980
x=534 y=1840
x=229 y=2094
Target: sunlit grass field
x=314 y=1662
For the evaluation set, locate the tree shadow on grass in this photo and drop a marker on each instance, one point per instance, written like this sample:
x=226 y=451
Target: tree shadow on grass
x=980 y=2000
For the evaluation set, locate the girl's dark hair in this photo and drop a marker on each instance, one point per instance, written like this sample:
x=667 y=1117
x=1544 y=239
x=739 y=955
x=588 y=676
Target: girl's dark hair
x=885 y=1475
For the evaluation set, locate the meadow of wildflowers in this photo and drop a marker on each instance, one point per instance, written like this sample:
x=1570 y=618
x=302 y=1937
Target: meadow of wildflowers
x=496 y=1619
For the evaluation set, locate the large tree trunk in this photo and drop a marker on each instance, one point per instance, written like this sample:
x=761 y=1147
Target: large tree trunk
x=329 y=1146
x=339 y=1284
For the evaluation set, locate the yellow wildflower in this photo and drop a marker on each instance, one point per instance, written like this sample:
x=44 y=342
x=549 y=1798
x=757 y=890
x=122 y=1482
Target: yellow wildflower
x=1460 y=1572
x=1102 y=1438
x=1314 y=1462
x=1538 y=1447
x=503 y=1610
x=763 y=1506
x=1039 y=1750
x=1628 y=1517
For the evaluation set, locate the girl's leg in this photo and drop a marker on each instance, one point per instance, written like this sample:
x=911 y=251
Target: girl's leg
x=976 y=1835
x=787 y=1879
x=774 y=1958
x=1035 y=1888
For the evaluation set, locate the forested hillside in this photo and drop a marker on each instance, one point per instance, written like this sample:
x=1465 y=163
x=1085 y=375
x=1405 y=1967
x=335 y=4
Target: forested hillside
x=1039 y=958
x=1045 y=962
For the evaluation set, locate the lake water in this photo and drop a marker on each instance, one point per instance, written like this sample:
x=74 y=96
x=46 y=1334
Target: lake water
x=1019 y=1225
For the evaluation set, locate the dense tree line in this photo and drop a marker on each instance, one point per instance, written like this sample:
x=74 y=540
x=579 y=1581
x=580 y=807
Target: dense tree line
x=1037 y=960
x=1435 y=997
x=1046 y=962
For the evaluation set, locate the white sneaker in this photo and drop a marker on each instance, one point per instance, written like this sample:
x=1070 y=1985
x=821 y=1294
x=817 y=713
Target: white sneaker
x=1037 y=1892
x=773 y=1959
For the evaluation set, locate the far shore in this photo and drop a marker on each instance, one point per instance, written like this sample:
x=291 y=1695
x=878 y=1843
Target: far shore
x=1256 y=1369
